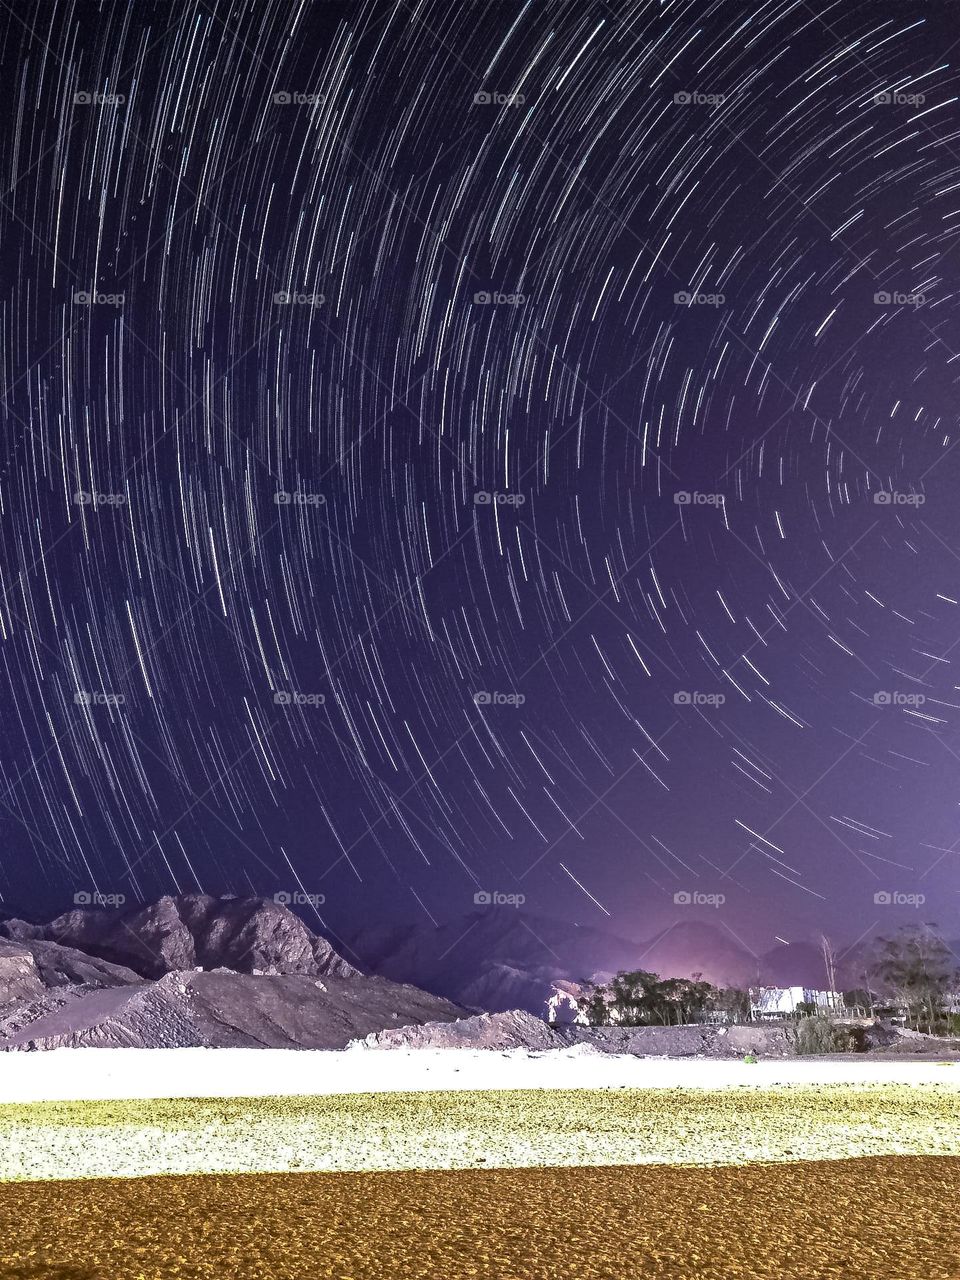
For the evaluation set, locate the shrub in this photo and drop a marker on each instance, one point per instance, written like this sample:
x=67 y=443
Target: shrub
x=820 y=1035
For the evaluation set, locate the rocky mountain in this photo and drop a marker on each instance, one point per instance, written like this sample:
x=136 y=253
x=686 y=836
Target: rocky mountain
x=222 y=1009
x=199 y=971
x=189 y=931
x=494 y=959
x=499 y=958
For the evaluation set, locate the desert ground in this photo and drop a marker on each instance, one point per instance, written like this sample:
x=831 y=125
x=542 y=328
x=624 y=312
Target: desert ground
x=691 y=1170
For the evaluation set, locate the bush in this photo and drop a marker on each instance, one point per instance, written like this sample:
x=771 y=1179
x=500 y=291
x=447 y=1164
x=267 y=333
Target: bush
x=820 y=1035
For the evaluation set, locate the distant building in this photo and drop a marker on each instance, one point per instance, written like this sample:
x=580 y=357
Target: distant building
x=767 y=1004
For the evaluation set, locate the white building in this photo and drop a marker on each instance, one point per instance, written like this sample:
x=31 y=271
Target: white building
x=767 y=1004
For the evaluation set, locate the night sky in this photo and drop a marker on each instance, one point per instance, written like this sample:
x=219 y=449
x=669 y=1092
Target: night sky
x=502 y=448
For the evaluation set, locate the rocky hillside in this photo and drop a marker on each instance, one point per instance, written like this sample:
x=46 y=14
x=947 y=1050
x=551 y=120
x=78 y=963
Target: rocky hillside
x=189 y=931
x=221 y=1009
x=192 y=971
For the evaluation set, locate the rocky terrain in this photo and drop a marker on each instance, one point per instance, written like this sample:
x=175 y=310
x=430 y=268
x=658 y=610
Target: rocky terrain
x=191 y=971
x=248 y=935
x=518 y=1029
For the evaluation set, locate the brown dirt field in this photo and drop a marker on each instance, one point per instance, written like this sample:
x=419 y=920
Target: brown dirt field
x=883 y=1218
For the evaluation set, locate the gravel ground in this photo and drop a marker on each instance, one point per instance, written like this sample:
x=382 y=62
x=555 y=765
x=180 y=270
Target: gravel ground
x=463 y=1130
x=872 y=1219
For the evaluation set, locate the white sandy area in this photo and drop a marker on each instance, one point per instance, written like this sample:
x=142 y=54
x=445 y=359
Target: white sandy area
x=63 y=1075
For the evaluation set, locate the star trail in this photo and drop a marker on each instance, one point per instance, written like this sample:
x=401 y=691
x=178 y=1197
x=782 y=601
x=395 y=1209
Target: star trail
x=461 y=449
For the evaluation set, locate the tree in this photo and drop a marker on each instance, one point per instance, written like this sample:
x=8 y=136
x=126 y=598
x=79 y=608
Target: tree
x=805 y=1009
x=637 y=998
x=733 y=1001
x=858 y=1001
x=916 y=966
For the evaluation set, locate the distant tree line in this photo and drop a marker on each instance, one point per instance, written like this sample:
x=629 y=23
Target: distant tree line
x=912 y=974
x=637 y=998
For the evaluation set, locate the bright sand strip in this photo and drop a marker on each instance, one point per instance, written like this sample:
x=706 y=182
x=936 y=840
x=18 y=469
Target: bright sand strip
x=64 y=1075
x=370 y=1112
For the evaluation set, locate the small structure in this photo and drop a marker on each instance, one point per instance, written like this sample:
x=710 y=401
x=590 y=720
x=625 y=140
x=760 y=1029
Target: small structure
x=563 y=1008
x=772 y=1004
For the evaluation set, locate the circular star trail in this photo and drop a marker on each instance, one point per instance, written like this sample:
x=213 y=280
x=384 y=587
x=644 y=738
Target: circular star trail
x=459 y=449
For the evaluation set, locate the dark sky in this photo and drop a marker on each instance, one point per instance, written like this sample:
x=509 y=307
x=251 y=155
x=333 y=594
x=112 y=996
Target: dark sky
x=441 y=453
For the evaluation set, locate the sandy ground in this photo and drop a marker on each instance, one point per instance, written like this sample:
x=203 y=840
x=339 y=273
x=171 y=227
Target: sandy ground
x=77 y=1074
x=873 y=1219
x=463 y=1130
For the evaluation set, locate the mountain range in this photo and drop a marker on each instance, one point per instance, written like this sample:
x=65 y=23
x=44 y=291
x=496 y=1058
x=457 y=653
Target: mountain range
x=499 y=957
x=197 y=969
x=192 y=970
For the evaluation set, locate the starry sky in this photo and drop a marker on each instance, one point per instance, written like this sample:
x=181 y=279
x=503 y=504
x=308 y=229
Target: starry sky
x=501 y=448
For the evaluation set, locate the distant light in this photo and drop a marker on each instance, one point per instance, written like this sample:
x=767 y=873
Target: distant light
x=783 y=940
